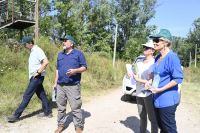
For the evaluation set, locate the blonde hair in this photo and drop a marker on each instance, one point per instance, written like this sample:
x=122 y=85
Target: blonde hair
x=167 y=41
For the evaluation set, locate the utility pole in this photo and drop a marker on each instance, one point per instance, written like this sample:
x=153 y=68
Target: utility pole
x=115 y=46
x=36 y=20
x=196 y=55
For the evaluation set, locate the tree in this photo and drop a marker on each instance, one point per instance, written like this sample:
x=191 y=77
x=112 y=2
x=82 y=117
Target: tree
x=176 y=43
x=132 y=17
x=133 y=48
x=194 y=33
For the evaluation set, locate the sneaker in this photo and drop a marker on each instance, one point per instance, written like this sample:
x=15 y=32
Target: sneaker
x=12 y=118
x=43 y=115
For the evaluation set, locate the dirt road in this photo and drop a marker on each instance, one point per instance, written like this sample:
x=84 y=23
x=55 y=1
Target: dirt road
x=105 y=114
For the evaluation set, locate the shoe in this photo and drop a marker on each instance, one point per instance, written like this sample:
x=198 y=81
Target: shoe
x=78 y=130
x=43 y=115
x=59 y=129
x=12 y=118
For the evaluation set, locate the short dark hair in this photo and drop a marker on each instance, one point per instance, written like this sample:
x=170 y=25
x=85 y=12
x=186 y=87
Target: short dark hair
x=31 y=41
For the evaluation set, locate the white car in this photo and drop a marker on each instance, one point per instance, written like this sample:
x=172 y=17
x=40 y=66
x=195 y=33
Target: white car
x=129 y=90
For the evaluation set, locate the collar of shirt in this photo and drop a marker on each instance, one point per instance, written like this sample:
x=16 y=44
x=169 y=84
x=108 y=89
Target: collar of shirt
x=72 y=52
x=33 y=48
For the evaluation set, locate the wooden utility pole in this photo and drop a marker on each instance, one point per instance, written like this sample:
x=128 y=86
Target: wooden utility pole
x=36 y=21
x=190 y=59
x=12 y=11
x=196 y=55
x=115 y=46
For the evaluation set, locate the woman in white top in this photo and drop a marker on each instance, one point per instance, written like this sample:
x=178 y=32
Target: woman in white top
x=144 y=98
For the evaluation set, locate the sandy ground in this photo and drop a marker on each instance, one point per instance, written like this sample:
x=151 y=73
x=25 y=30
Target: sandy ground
x=104 y=114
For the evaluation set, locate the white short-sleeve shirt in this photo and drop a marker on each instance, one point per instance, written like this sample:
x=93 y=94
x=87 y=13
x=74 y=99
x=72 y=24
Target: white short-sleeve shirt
x=35 y=61
x=144 y=70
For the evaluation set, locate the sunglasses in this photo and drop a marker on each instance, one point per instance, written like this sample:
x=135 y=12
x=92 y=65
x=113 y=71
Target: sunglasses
x=146 y=47
x=157 y=40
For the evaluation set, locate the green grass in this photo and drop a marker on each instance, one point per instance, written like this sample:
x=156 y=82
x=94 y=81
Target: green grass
x=190 y=88
x=98 y=79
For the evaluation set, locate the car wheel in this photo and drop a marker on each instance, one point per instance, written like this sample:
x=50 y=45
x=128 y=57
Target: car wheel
x=179 y=97
x=127 y=97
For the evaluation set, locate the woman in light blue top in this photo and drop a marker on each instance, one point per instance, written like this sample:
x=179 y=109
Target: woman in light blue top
x=166 y=97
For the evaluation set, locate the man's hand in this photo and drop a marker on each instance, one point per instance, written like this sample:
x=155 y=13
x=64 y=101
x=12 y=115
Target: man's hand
x=35 y=75
x=54 y=86
x=71 y=72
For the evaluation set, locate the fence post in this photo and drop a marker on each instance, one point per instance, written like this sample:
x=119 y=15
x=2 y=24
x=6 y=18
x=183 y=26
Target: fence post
x=190 y=60
x=196 y=55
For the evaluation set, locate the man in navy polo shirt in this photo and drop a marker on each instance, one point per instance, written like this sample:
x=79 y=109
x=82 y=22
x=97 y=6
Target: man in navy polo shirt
x=70 y=64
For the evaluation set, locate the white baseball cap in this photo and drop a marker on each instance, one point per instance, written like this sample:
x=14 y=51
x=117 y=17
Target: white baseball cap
x=149 y=44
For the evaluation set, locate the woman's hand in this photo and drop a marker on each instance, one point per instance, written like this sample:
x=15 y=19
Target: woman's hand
x=136 y=77
x=129 y=75
x=148 y=84
x=154 y=91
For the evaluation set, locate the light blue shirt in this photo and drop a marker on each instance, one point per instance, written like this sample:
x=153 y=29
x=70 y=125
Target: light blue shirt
x=35 y=61
x=170 y=69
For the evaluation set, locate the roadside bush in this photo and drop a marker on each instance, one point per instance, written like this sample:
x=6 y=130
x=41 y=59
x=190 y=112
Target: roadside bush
x=105 y=55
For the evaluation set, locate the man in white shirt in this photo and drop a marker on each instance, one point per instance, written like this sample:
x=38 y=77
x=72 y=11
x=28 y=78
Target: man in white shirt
x=37 y=70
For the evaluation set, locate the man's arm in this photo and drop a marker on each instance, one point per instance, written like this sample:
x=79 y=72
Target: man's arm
x=78 y=70
x=44 y=65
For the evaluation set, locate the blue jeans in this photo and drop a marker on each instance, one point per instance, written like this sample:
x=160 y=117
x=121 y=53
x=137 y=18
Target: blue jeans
x=166 y=119
x=35 y=85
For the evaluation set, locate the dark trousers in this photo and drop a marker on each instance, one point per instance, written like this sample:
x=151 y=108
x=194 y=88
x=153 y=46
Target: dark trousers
x=166 y=119
x=35 y=85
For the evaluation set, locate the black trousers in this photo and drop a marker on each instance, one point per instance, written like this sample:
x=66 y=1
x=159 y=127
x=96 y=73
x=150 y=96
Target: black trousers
x=166 y=119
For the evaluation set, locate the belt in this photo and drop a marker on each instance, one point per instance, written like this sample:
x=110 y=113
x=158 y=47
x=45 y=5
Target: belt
x=69 y=84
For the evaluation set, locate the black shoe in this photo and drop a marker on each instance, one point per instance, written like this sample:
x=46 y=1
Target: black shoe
x=12 y=118
x=43 y=115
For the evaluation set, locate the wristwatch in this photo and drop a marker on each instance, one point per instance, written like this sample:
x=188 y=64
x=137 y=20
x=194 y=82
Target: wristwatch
x=38 y=73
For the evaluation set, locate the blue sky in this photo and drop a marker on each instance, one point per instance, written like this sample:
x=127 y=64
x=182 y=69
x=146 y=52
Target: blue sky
x=176 y=16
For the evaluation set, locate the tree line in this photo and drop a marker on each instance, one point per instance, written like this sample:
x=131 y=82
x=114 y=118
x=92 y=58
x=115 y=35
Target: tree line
x=92 y=23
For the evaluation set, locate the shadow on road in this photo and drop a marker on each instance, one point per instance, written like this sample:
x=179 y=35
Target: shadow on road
x=133 y=123
x=133 y=100
x=31 y=114
x=69 y=120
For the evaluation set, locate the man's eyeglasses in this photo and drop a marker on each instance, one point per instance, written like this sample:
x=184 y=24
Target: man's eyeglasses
x=146 y=47
x=157 y=40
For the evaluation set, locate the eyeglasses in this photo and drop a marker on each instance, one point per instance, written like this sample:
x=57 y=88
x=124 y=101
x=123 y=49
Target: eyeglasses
x=65 y=40
x=157 y=40
x=146 y=47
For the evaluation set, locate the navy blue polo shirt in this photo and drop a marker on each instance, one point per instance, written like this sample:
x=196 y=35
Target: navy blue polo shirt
x=75 y=59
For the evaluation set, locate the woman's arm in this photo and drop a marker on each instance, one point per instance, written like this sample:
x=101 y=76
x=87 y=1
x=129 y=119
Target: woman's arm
x=169 y=85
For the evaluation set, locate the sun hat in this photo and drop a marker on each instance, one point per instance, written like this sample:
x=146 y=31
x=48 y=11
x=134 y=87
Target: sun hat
x=25 y=39
x=149 y=44
x=163 y=33
x=68 y=37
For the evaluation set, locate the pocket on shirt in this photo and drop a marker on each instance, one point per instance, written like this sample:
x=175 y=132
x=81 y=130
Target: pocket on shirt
x=74 y=60
x=61 y=61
